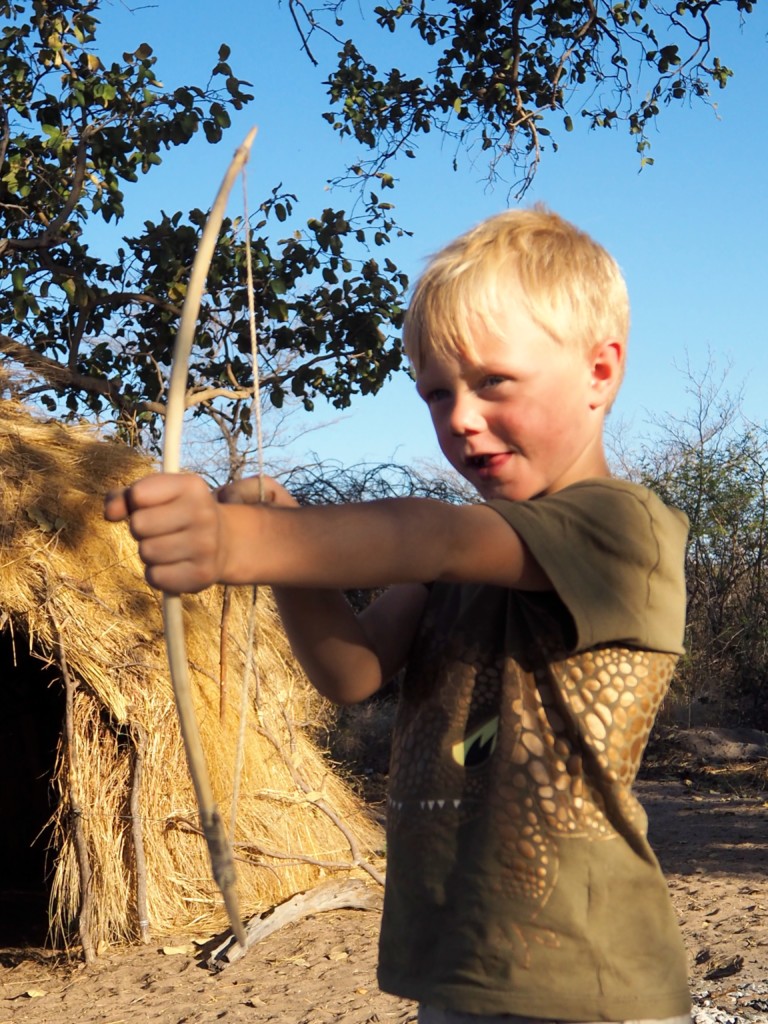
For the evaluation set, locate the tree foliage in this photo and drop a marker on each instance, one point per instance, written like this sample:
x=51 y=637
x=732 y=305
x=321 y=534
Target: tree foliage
x=508 y=76
x=95 y=332
x=713 y=464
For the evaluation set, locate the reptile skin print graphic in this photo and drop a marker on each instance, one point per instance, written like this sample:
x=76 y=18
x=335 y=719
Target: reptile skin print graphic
x=516 y=761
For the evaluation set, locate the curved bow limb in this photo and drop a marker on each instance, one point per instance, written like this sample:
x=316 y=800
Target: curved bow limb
x=219 y=847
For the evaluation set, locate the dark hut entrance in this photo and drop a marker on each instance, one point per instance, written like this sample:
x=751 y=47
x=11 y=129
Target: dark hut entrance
x=31 y=717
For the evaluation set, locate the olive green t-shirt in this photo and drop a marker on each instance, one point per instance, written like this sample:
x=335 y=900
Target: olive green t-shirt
x=519 y=878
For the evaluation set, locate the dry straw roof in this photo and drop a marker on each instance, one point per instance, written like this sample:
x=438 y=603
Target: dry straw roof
x=71 y=587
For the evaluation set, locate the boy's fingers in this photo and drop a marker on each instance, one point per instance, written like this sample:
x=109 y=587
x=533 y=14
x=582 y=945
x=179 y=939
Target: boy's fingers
x=249 y=491
x=152 y=491
x=243 y=492
x=116 y=506
x=163 y=488
x=255 y=490
x=122 y=504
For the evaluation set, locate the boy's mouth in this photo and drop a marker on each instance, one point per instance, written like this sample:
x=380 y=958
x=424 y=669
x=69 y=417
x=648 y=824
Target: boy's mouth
x=484 y=461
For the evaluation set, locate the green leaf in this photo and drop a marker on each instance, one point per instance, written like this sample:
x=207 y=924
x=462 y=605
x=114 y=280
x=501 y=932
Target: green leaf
x=19 y=307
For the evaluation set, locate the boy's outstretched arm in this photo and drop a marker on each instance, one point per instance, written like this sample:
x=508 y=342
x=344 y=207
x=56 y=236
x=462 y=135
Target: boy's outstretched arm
x=346 y=657
x=189 y=540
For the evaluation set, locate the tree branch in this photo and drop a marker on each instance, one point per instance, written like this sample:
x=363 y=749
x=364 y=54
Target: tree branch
x=292 y=5
x=58 y=376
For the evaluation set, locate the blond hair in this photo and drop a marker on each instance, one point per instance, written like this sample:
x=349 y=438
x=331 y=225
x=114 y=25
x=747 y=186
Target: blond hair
x=570 y=286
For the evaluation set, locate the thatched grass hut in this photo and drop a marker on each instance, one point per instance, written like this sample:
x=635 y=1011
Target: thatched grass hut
x=97 y=804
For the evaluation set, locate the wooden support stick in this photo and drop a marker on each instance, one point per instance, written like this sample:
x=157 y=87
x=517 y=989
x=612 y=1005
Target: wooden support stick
x=76 y=810
x=137 y=832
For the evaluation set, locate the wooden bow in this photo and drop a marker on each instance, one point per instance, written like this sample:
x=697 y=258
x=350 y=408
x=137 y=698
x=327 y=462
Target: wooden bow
x=219 y=847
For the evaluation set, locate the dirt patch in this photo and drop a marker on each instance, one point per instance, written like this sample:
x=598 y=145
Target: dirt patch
x=712 y=843
x=713 y=847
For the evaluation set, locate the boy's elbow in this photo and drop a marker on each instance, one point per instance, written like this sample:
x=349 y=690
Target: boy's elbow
x=345 y=691
x=346 y=700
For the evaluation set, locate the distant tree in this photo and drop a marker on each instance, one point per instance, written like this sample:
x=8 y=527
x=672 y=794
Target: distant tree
x=93 y=335
x=713 y=464
x=505 y=77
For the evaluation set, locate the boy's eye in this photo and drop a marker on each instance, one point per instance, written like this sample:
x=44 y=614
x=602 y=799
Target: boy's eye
x=436 y=395
x=493 y=379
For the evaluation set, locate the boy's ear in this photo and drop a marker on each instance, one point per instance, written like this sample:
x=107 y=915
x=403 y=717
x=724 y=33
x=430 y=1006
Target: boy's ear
x=607 y=368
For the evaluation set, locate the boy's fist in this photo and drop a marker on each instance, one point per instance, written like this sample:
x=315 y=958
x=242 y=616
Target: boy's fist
x=178 y=524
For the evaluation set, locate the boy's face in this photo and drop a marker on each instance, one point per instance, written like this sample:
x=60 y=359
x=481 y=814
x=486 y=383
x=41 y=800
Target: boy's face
x=523 y=417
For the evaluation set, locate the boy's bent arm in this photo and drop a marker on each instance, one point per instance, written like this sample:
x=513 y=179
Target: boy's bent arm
x=348 y=657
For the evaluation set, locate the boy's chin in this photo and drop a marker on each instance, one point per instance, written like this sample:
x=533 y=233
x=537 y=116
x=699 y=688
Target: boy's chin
x=493 y=489
x=505 y=492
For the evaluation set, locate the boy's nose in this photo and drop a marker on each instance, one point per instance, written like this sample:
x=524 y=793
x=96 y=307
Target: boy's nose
x=465 y=416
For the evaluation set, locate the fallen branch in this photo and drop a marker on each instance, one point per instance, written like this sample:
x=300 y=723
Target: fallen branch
x=352 y=894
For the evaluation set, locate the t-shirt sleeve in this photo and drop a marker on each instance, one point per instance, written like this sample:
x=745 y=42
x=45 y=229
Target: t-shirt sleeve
x=615 y=556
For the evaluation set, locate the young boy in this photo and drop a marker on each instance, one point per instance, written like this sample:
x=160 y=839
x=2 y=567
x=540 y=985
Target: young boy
x=539 y=631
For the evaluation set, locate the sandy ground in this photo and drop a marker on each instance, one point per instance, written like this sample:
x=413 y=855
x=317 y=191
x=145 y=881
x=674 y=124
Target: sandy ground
x=712 y=846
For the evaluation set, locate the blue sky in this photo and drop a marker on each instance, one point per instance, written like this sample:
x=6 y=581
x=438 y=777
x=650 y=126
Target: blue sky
x=689 y=232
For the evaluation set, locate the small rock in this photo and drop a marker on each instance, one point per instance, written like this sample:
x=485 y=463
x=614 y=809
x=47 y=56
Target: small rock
x=725 y=967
